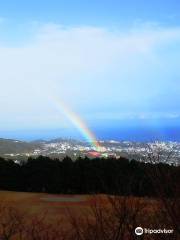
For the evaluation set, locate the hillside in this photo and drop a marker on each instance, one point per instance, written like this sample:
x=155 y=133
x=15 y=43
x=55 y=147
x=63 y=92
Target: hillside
x=8 y=146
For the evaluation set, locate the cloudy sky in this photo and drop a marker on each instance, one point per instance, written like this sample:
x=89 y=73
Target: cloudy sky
x=109 y=61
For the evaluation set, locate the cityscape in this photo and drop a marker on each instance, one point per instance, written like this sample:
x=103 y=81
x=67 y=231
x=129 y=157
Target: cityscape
x=58 y=148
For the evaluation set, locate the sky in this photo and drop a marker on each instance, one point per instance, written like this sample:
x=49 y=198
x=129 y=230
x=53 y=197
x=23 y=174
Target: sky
x=111 y=62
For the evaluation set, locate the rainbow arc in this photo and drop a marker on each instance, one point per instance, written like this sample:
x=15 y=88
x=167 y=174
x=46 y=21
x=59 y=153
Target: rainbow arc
x=78 y=122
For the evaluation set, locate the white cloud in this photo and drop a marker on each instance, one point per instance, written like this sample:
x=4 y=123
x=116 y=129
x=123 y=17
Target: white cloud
x=134 y=116
x=81 y=65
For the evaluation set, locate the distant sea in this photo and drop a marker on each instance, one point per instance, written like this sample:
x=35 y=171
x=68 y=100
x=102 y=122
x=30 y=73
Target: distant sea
x=142 y=134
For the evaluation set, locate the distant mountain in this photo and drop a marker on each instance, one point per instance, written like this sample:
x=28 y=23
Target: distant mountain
x=55 y=140
x=11 y=146
x=15 y=146
x=62 y=140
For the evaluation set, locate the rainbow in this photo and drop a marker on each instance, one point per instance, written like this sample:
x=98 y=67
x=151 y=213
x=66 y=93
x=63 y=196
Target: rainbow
x=78 y=122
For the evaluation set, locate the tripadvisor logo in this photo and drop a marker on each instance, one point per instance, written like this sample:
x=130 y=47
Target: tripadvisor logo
x=139 y=231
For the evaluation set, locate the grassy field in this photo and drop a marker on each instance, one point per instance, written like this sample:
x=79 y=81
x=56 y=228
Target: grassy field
x=58 y=211
x=54 y=206
x=57 y=206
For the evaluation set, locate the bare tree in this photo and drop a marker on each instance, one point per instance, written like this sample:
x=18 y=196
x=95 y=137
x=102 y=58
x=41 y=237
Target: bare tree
x=11 y=222
x=109 y=218
x=15 y=225
x=166 y=188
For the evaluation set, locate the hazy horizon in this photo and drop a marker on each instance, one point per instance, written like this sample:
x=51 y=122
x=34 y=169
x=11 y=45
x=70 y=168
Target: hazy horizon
x=139 y=134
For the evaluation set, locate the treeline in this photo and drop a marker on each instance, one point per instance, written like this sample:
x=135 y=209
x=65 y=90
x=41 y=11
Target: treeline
x=84 y=176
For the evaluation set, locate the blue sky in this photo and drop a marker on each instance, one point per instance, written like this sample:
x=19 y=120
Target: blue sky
x=110 y=61
x=101 y=12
